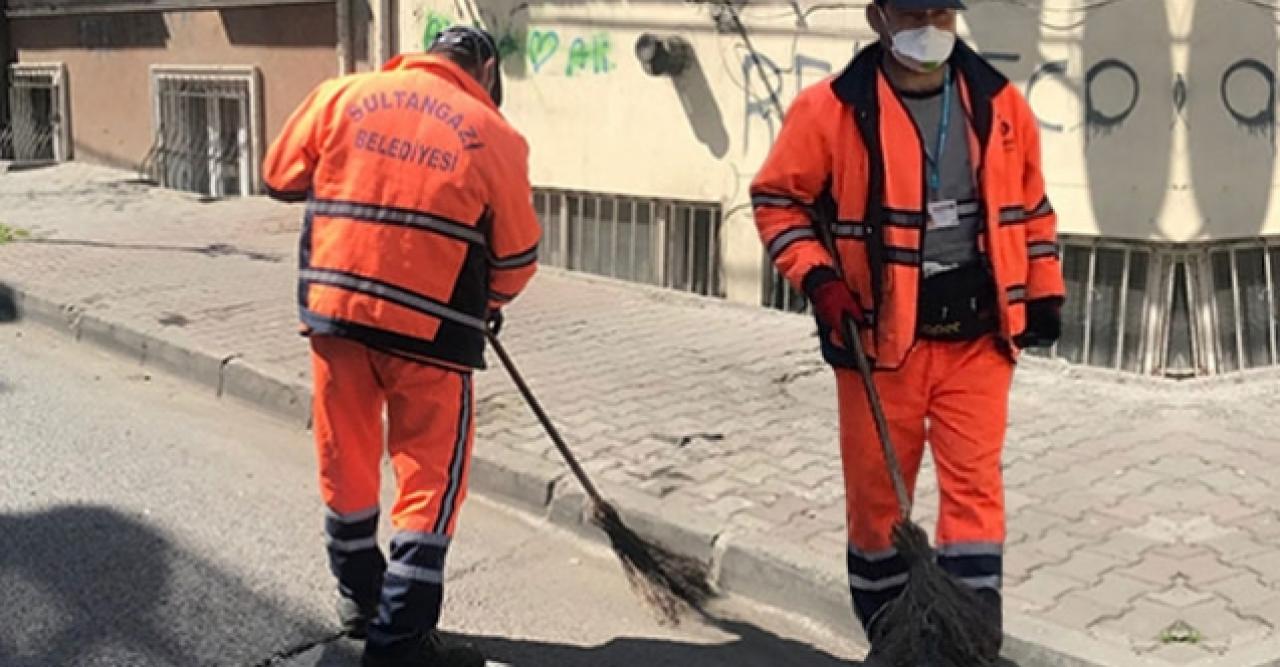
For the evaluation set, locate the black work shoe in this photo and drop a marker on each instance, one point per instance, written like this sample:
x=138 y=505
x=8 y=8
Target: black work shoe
x=354 y=617
x=426 y=651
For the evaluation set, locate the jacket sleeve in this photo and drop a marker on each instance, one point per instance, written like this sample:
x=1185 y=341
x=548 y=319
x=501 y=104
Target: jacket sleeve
x=291 y=159
x=1044 y=275
x=513 y=242
x=787 y=186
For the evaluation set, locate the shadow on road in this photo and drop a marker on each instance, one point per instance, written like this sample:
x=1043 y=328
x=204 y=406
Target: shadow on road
x=90 y=585
x=753 y=647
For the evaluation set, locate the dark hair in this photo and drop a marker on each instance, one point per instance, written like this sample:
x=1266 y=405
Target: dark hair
x=470 y=48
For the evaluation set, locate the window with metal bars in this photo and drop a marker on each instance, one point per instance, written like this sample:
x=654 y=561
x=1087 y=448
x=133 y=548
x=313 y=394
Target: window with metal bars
x=38 y=127
x=1160 y=309
x=674 y=244
x=207 y=131
x=1108 y=310
x=778 y=292
x=1244 y=305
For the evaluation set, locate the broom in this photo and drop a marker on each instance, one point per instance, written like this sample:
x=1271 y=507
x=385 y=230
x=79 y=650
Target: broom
x=668 y=582
x=937 y=620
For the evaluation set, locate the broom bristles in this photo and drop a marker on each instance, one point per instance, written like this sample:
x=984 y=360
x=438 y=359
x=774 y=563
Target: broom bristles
x=668 y=582
x=937 y=621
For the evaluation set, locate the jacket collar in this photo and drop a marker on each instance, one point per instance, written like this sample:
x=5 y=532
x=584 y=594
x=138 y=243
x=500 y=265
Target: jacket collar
x=856 y=84
x=443 y=68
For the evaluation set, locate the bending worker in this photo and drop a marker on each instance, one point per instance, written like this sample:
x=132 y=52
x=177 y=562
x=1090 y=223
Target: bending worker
x=419 y=227
x=925 y=162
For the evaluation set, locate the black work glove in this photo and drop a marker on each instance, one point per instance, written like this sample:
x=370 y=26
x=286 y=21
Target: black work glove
x=495 y=322
x=1044 y=323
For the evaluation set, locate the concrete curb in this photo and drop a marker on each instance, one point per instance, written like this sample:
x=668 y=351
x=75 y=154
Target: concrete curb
x=750 y=566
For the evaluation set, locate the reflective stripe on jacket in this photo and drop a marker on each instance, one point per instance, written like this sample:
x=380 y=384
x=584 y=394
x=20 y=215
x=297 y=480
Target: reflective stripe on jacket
x=419 y=215
x=849 y=152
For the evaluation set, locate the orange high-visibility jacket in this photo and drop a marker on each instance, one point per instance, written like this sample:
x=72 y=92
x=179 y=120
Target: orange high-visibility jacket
x=849 y=152
x=419 y=215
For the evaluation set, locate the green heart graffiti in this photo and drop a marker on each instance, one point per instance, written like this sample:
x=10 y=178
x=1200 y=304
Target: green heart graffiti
x=542 y=46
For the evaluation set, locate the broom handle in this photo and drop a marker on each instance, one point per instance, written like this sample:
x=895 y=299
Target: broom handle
x=550 y=428
x=854 y=341
x=849 y=331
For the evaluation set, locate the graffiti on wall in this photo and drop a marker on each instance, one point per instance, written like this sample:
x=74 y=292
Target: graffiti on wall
x=1112 y=90
x=1247 y=90
x=545 y=50
x=1134 y=78
x=1249 y=94
x=765 y=81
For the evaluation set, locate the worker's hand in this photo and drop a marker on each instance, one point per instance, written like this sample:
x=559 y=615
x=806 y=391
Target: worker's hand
x=832 y=301
x=495 y=321
x=1044 y=324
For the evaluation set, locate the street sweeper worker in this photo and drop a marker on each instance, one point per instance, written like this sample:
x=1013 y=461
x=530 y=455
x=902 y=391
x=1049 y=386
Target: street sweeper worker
x=924 y=161
x=419 y=229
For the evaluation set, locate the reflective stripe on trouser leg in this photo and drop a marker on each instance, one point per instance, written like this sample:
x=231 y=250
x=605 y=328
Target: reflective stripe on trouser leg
x=966 y=430
x=980 y=565
x=349 y=443
x=430 y=415
x=968 y=416
x=875 y=579
x=354 y=556
x=412 y=589
x=876 y=573
x=431 y=426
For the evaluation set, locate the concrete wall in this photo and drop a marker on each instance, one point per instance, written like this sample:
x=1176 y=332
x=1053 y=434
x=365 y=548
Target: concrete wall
x=294 y=48
x=1156 y=125
x=5 y=56
x=373 y=32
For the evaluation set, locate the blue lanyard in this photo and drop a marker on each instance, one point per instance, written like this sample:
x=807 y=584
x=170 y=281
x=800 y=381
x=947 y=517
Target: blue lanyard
x=944 y=128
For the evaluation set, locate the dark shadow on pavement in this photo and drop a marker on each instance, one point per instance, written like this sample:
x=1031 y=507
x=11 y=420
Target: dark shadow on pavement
x=91 y=585
x=9 y=309
x=210 y=250
x=753 y=647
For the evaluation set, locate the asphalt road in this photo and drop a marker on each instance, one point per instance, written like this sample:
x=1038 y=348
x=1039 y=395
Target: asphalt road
x=143 y=522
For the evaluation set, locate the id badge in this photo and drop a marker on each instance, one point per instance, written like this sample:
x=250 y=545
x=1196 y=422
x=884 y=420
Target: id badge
x=944 y=214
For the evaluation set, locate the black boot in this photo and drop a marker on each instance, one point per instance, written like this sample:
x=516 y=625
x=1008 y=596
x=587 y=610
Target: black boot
x=994 y=620
x=354 y=617
x=426 y=650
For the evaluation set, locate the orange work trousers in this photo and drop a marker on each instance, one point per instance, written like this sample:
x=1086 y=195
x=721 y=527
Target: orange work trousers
x=954 y=395
x=428 y=434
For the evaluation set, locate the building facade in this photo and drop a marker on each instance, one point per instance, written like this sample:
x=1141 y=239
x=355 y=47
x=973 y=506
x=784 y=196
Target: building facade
x=648 y=120
x=186 y=91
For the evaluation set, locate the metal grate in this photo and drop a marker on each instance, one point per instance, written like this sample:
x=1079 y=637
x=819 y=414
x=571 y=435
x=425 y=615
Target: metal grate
x=778 y=292
x=1244 y=305
x=37 y=130
x=1158 y=309
x=1108 y=311
x=206 y=131
x=653 y=241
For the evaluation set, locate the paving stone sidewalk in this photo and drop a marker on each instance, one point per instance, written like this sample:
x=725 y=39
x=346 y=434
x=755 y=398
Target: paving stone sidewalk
x=1144 y=516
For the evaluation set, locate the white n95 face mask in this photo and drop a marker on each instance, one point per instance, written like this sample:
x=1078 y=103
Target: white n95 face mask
x=923 y=49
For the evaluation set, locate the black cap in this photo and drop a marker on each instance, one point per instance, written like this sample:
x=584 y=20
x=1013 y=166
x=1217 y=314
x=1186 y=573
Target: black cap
x=911 y=5
x=477 y=43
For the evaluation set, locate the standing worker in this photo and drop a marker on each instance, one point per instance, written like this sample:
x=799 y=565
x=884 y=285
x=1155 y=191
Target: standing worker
x=419 y=227
x=925 y=162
